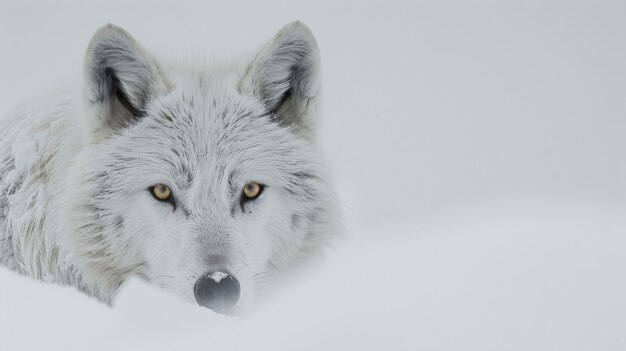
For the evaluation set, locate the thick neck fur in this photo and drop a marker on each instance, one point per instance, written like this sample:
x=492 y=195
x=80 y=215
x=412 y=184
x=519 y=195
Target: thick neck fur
x=36 y=143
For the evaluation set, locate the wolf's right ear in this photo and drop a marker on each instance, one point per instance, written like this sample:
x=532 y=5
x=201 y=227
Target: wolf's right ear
x=121 y=78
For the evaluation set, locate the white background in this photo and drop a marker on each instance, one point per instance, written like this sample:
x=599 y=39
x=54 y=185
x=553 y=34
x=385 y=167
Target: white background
x=478 y=148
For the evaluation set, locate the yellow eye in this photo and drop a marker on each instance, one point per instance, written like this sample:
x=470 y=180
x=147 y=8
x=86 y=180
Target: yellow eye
x=161 y=192
x=252 y=190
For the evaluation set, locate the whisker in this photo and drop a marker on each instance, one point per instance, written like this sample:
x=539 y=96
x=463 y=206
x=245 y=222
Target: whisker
x=242 y=267
x=262 y=273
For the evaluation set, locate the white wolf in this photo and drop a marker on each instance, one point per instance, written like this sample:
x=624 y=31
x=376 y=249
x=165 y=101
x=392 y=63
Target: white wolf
x=203 y=180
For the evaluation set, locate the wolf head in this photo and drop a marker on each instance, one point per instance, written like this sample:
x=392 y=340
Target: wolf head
x=203 y=181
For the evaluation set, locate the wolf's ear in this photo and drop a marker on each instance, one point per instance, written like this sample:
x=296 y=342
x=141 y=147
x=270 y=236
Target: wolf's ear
x=284 y=75
x=120 y=79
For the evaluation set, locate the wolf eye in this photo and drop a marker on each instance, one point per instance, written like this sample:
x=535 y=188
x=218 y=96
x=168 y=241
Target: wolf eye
x=163 y=193
x=252 y=190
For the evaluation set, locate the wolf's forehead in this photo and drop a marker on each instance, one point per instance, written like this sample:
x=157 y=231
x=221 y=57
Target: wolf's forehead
x=206 y=98
x=214 y=125
x=209 y=118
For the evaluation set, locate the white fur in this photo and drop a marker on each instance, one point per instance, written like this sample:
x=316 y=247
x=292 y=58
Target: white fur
x=75 y=169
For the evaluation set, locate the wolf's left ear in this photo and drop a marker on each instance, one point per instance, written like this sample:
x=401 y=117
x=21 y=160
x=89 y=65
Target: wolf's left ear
x=121 y=78
x=284 y=75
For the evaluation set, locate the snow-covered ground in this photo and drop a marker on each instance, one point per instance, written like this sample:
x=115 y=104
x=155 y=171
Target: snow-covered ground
x=478 y=149
x=514 y=279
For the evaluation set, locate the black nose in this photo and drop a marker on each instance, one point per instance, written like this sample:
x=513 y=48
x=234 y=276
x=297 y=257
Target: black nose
x=218 y=291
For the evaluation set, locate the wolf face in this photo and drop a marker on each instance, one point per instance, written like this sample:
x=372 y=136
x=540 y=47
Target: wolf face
x=204 y=182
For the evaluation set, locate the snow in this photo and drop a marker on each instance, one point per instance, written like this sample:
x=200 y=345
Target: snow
x=218 y=276
x=478 y=149
x=12 y=177
x=25 y=154
x=526 y=278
